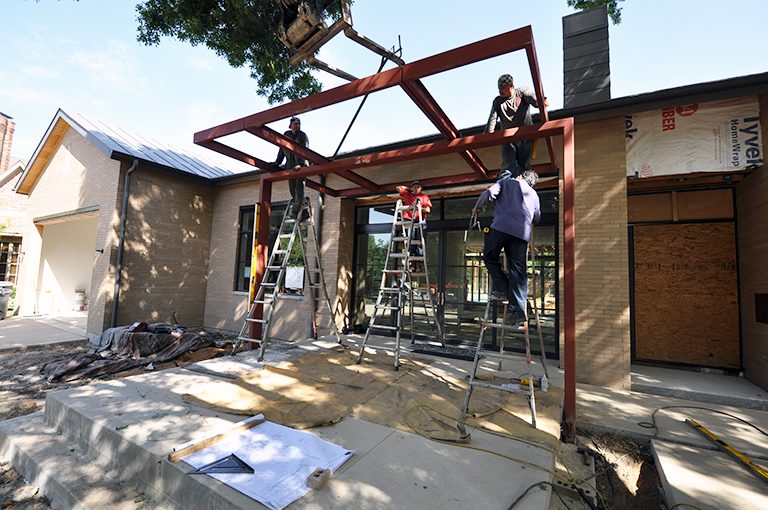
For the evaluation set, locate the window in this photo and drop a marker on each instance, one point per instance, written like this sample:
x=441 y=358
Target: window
x=245 y=241
x=244 y=248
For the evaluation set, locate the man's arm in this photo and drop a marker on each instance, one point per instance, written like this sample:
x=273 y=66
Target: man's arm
x=280 y=157
x=493 y=118
x=486 y=196
x=530 y=97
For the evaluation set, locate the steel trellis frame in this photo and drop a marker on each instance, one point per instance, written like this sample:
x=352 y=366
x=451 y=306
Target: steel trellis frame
x=408 y=77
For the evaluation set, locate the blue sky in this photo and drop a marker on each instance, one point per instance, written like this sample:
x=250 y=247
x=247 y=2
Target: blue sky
x=83 y=57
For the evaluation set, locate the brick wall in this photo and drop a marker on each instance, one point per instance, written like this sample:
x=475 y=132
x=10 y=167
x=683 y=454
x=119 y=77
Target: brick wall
x=78 y=175
x=751 y=211
x=602 y=277
x=167 y=243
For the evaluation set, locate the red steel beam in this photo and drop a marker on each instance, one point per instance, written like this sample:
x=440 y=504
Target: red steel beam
x=551 y=128
x=424 y=100
x=569 y=281
x=452 y=59
x=304 y=152
x=544 y=170
x=321 y=188
x=538 y=88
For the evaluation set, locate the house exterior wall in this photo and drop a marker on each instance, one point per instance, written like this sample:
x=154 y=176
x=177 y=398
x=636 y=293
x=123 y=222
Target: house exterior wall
x=7 y=128
x=602 y=274
x=167 y=244
x=752 y=235
x=12 y=208
x=78 y=175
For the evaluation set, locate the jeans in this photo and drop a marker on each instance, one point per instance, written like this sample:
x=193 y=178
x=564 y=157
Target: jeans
x=516 y=156
x=515 y=282
x=417 y=250
x=296 y=187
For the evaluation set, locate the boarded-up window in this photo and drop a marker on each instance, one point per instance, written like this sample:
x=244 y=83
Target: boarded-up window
x=685 y=294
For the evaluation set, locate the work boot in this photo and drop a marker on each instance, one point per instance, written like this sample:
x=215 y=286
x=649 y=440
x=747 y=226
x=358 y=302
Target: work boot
x=498 y=295
x=514 y=318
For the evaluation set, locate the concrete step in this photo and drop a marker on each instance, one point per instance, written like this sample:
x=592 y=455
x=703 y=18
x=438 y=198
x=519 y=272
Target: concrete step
x=742 y=401
x=706 y=479
x=64 y=473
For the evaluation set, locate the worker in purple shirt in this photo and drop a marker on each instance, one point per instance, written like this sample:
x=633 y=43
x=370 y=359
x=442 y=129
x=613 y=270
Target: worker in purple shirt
x=517 y=209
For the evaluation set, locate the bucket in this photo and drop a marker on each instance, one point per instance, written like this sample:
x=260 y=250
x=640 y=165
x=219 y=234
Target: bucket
x=79 y=300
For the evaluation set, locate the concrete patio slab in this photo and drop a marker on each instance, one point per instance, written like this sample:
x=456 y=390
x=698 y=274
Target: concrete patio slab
x=706 y=479
x=24 y=332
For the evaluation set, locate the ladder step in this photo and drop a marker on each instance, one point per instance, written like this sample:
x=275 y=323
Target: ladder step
x=274 y=267
x=513 y=329
x=258 y=321
x=280 y=252
x=399 y=238
x=393 y=271
x=262 y=301
x=247 y=339
x=269 y=284
x=511 y=388
x=376 y=326
x=387 y=307
x=389 y=289
x=285 y=236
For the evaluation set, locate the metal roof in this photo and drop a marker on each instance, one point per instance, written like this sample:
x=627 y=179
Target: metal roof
x=114 y=140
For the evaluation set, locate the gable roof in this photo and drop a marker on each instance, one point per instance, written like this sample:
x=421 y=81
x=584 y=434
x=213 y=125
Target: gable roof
x=15 y=169
x=118 y=144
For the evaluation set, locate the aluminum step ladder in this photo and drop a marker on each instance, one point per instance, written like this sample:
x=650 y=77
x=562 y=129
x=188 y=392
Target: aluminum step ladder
x=273 y=279
x=404 y=285
x=515 y=330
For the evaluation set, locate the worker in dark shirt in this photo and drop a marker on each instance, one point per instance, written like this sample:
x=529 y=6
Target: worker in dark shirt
x=292 y=161
x=517 y=209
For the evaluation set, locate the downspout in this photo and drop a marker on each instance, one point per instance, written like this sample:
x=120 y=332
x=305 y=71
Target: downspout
x=121 y=242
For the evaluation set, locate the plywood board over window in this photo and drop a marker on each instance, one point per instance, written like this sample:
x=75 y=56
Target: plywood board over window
x=686 y=297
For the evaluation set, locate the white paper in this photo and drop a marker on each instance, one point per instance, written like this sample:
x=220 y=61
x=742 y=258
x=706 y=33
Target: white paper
x=294 y=278
x=282 y=458
x=717 y=136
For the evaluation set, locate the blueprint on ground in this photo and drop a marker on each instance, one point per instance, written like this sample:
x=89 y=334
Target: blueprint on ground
x=282 y=458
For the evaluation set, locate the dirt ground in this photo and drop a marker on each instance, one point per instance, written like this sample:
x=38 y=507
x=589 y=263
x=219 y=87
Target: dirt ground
x=627 y=478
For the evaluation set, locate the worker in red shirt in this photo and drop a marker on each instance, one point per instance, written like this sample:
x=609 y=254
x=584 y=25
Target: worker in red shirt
x=409 y=197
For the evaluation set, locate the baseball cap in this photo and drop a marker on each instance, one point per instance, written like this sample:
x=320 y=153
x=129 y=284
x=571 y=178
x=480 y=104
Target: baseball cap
x=294 y=119
x=414 y=183
x=505 y=79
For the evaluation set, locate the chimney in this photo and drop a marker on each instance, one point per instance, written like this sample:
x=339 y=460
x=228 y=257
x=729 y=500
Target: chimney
x=586 y=62
x=7 y=126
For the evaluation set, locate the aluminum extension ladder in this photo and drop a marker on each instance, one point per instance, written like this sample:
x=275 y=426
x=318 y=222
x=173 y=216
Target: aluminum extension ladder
x=404 y=281
x=274 y=277
x=512 y=387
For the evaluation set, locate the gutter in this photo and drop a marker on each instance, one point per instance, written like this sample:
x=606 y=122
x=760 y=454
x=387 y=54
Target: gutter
x=121 y=243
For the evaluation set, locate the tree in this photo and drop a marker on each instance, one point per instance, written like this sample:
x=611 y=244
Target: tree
x=244 y=32
x=614 y=11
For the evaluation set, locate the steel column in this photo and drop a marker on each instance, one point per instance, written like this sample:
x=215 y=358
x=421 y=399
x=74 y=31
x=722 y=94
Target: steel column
x=262 y=255
x=569 y=281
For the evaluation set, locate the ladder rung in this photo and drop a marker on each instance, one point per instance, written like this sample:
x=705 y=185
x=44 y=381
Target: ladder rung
x=387 y=307
x=514 y=329
x=405 y=208
x=390 y=289
x=393 y=271
x=274 y=267
x=285 y=236
x=269 y=284
x=398 y=255
x=399 y=238
x=247 y=339
x=391 y=328
x=262 y=301
x=258 y=321
x=417 y=258
x=513 y=388
x=413 y=273
x=280 y=252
